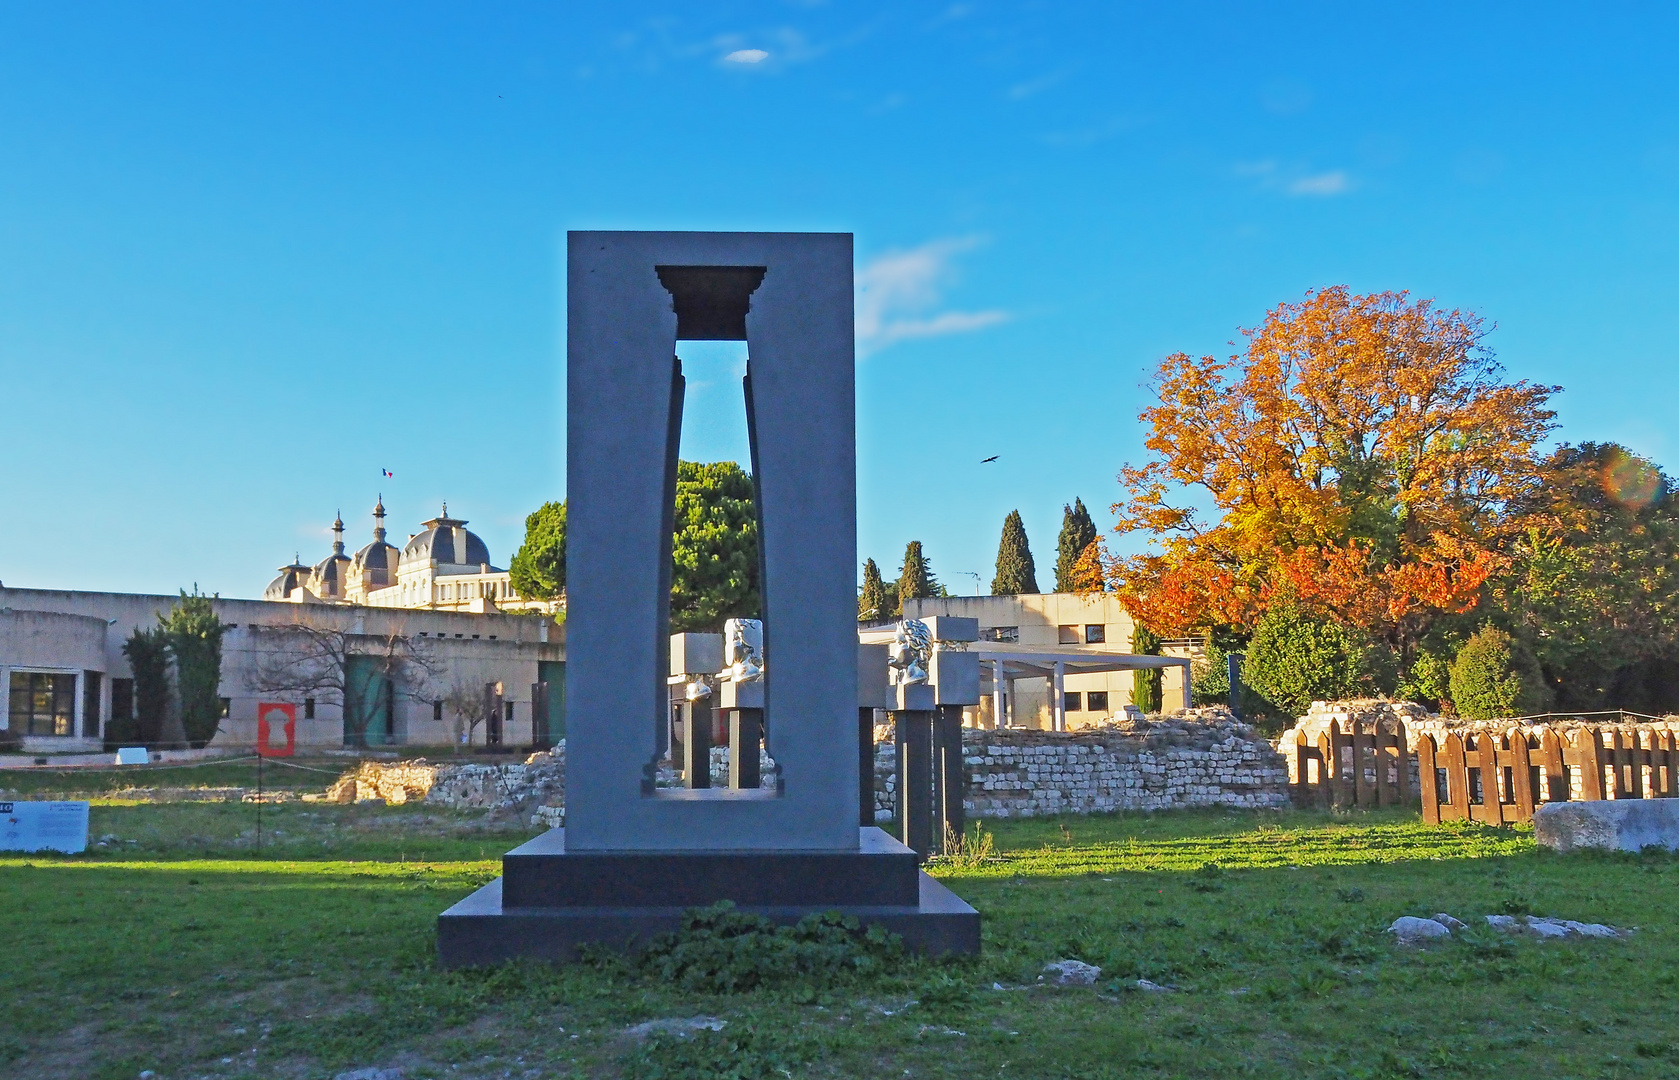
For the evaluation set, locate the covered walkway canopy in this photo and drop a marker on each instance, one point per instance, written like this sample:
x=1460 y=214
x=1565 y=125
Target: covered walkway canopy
x=1006 y=662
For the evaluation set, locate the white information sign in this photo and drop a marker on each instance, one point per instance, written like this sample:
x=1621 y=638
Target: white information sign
x=43 y=826
x=132 y=755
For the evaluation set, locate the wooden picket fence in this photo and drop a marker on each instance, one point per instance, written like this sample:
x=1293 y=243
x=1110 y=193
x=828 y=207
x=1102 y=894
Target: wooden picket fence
x=1359 y=766
x=1499 y=777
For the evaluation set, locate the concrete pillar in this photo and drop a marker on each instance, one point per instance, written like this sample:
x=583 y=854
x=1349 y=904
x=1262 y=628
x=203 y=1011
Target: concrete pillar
x=949 y=777
x=1060 y=695
x=865 y=765
x=999 y=705
x=746 y=737
x=696 y=743
x=914 y=730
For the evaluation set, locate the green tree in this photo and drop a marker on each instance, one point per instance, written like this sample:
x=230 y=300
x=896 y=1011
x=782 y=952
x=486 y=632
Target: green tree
x=1494 y=676
x=147 y=651
x=538 y=567
x=1078 y=532
x=915 y=577
x=876 y=601
x=1210 y=677
x=1146 y=690
x=1016 y=572
x=194 y=636
x=715 y=549
x=1296 y=658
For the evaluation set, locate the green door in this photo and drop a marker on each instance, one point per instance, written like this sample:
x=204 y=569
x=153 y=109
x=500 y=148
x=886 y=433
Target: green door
x=550 y=725
x=369 y=715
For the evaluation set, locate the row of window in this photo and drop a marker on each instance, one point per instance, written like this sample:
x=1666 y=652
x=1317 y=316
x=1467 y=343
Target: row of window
x=1093 y=701
x=1093 y=634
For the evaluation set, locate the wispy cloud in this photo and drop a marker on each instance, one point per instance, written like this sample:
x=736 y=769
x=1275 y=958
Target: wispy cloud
x=747 y=56
x=1296 y=181
x=899 y=292
x=1329 y=183
x=1032 y=87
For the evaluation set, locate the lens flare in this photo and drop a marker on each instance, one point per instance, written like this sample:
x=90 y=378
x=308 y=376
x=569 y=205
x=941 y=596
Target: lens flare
x=1631 y=481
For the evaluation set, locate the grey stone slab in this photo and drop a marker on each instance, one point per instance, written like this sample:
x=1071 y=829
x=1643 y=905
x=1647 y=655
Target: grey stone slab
x=913 y=697
x=953 y=627
x=874 y=688
x=696 y=654
x=626 y=294
x=733 y=695
x=1609 y=824
x=955 y=677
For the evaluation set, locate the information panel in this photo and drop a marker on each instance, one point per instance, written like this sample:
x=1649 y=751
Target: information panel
x=43 y=826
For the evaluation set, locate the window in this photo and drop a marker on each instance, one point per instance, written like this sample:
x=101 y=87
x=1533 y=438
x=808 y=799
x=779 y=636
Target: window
x=1097 y=700
x=90 y=704
x=509 y=705
x=227 y=707
x=308 y=708
x=437 y=710
x=474 y=637
x=122 y=699
x=1000 y=633
x=43 y=703
x=1072 y=701
x=1067 y=635
x=1095 y=634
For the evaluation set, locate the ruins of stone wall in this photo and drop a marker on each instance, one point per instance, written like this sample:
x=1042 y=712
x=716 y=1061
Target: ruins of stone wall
x=1173 y=761
x=1198 y=757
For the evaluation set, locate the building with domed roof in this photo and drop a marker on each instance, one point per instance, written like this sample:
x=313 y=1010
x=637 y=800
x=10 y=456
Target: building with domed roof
x=444 y=567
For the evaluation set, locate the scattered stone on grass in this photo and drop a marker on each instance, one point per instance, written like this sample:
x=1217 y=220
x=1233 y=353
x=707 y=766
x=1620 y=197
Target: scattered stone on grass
x=1073 y=973
x=681 y=1027
x=372 y=1072
x=1411 y=930
x=1154 y=987
x=1450 y=923
x=1551 y=928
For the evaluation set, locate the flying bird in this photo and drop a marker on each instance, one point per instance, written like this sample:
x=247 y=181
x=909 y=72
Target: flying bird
x=992 y=458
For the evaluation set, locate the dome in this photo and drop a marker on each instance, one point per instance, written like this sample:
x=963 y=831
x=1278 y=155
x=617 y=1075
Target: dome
x=291 y=577
x=446 y=540
x=378 y=560
x=330 y=574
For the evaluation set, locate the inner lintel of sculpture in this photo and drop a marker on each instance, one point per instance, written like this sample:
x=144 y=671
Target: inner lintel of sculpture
x=711 y=304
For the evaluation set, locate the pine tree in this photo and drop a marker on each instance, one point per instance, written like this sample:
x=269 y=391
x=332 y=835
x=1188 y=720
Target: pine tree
x=1016 y=573
x=1077 y=533
x=915 y=577
x=872 y=602
x=195 y=643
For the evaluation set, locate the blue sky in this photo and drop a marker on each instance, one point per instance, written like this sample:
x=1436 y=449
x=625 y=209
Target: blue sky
x=252 y=255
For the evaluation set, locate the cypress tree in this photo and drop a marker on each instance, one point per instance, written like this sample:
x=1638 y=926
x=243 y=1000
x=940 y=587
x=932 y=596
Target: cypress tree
x=1077 y=533
x=1016 y=573
x=1145 y=682
x=915 y=577
x=872 y=602
x=148 y=659
x=195 y=641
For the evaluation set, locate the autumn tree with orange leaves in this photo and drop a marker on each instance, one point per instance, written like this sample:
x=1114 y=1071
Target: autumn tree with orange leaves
x=1359 y=458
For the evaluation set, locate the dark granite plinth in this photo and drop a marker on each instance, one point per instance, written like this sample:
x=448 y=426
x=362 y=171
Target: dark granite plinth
x=542 y=873
x=619 y=899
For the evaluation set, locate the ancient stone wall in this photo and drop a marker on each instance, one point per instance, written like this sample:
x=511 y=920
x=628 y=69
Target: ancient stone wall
x=1194 y=757
x=1200 y=757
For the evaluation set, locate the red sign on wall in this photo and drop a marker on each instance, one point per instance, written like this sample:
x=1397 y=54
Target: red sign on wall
x=276 y=729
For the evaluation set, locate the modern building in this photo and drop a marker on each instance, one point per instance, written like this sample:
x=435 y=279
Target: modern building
x=411 y=676
x=444 y=567
x=1068 y=624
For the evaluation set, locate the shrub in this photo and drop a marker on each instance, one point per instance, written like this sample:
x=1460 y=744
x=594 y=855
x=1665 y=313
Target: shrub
x=1296 y=658
x=722 y=950
x=1494 y=675
x=1428 y=681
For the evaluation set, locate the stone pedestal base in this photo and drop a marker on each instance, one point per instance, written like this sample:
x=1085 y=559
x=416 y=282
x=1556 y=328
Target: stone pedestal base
x=549 y=901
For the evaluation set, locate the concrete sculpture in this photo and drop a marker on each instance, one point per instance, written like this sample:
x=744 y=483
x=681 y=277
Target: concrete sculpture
x=632 y=856
x=912 y=650
x=744 y=648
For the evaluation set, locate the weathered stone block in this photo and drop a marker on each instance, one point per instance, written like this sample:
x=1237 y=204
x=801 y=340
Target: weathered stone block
x=1613 y=825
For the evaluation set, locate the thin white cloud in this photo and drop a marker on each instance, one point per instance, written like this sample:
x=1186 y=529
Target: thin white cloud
x=1033 y=87
x=747 y=56
x=899 y=292
x=1323 y=184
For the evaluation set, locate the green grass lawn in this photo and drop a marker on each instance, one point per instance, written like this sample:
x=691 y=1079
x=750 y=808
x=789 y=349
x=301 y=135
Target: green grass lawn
x=184 y=953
